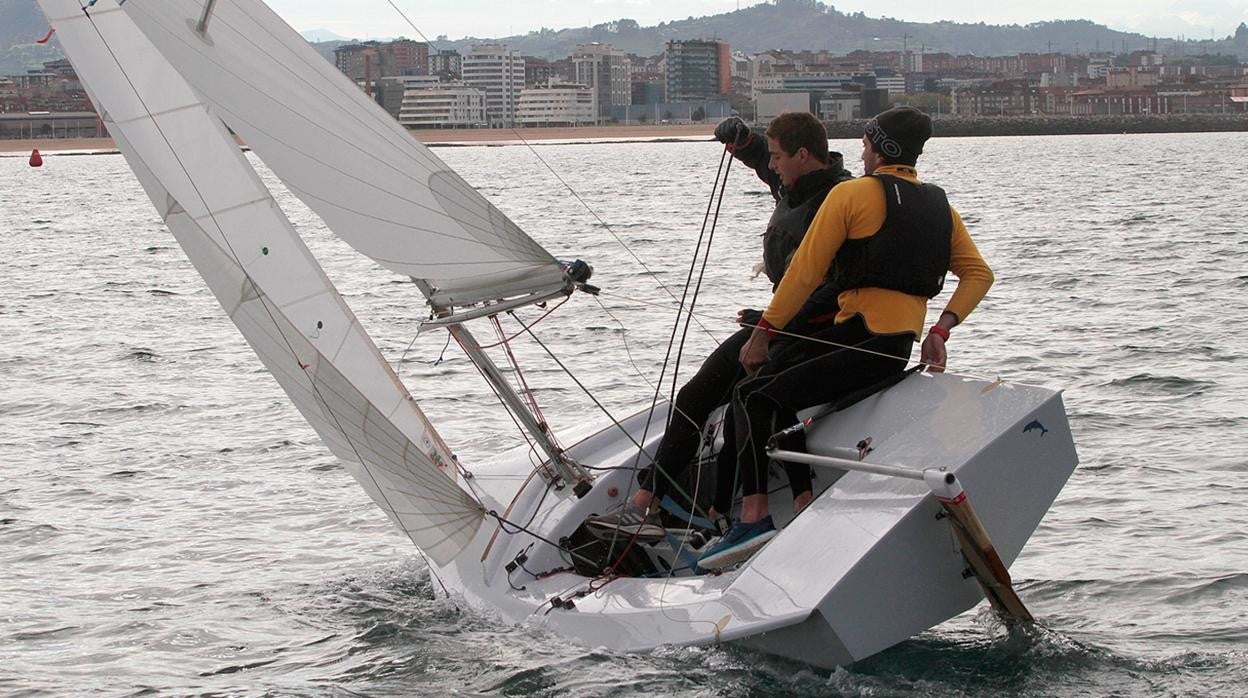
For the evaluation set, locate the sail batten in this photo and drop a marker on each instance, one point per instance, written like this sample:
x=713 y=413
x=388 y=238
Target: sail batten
x=374 y=186
x=273 y=289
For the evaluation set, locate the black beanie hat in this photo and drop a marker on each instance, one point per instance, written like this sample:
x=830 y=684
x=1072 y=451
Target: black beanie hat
x=899 y=133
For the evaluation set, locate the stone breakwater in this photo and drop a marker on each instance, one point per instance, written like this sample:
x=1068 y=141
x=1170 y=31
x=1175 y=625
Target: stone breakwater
x=1063 y=125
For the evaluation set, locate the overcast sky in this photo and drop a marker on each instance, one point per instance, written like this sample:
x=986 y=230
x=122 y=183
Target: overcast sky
x=495 y=18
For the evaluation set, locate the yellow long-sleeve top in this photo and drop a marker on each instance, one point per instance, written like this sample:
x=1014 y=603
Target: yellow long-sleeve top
x=854 y=210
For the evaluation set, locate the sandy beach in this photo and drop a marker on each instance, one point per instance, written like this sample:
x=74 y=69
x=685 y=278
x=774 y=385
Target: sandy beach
x=431 y=136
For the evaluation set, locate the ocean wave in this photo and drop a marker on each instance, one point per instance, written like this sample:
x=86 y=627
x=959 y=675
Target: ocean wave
x=1161 y=384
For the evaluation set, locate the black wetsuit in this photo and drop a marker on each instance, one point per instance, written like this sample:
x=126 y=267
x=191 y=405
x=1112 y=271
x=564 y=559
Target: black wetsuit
x=713 y=383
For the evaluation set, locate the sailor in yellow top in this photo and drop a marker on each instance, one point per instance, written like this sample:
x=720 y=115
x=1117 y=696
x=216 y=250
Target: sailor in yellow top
x=886 y=241
x=855 y=211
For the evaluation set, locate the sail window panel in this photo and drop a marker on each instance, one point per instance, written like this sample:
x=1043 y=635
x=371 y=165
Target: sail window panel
x=375 y=187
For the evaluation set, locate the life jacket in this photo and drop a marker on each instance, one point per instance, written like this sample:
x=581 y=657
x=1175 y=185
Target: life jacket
x=792 y=217
x=910 y=251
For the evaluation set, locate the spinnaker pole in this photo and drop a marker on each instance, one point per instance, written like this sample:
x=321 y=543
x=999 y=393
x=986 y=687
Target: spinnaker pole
x=977 y=547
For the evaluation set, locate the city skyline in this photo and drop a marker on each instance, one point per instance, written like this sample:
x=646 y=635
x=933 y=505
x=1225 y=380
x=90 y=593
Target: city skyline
x=1194 y=19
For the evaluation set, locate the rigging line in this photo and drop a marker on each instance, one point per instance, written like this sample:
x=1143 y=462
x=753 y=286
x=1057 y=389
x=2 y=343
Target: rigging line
x=580 y=385
x=234 y=255
x=721 y=172
x=408 y=348
x=412 y=25
x=706 y=255
x=524 y=384
x=624 y=339
x=537 y=509
x=436 y=576
x=644 y=378
x=675 y=412
x=543 y=317
x=504 y=523
x=539 y=464
x=783 y=333
x=607 y=227
x=636 y=368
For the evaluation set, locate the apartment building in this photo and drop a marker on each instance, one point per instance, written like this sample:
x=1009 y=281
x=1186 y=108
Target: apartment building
x=390 y=91
x=407 y=57
x=558 y=104
x=697 y=69
x=446 y=105
x=1001 y=98
x=370 y=60
x=498 y=71
x=605 y=71
x=446 y=64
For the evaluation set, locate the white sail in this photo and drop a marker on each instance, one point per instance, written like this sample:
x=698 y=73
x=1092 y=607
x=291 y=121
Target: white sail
x=259 y=269
x=374 y=185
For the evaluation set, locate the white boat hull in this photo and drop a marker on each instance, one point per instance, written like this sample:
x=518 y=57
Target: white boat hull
x=869 y=564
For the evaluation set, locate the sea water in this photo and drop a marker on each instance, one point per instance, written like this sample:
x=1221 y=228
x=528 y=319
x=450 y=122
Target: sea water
x=170 y=525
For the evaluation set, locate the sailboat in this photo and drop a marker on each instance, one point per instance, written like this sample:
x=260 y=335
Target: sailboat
x=889 y=547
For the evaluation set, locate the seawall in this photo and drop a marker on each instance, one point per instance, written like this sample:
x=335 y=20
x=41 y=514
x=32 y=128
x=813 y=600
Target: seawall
x=1063 y=125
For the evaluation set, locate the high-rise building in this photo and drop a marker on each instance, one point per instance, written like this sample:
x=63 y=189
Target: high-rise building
x=446 y=64
x=498 y=71
x=373 y=60
x=358 y=60
x=697 y=69
x=538 y=72
x=407 y=57
x=605 y=71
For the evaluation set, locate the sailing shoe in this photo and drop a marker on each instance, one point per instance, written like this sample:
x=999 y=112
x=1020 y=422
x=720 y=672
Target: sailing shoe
x=627 y=521
x=741 y=541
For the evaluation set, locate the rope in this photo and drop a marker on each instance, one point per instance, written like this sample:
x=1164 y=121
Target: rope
x=607 y=227
x=721 y=183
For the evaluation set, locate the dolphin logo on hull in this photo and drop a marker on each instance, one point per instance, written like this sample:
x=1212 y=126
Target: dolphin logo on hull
x=1033 y=425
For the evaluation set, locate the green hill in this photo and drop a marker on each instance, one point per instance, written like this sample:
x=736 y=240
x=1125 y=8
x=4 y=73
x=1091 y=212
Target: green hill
x=788 y=24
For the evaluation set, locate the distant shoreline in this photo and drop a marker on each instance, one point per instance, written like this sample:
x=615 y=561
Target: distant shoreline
x=432 y=137
x=949 y=126
x=1041 y=125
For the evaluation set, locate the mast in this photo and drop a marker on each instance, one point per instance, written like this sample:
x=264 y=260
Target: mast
x=565 y=470
x=558 y=467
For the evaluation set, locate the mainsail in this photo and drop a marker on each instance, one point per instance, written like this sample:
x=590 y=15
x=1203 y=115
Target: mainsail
x=336 y=149
x=259 y=269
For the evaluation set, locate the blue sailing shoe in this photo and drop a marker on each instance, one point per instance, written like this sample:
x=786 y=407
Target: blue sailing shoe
x=739 y=543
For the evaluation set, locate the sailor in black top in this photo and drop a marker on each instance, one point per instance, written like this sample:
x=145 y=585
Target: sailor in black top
x=792 y=157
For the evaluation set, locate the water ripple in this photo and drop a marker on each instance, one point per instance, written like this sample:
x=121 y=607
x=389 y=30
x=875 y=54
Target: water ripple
x=170 y=526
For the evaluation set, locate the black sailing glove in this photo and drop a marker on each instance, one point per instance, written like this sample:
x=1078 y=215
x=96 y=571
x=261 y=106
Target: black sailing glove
x=732 y=131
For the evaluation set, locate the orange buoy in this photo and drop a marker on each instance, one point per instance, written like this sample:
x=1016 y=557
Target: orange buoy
x=36 y=160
